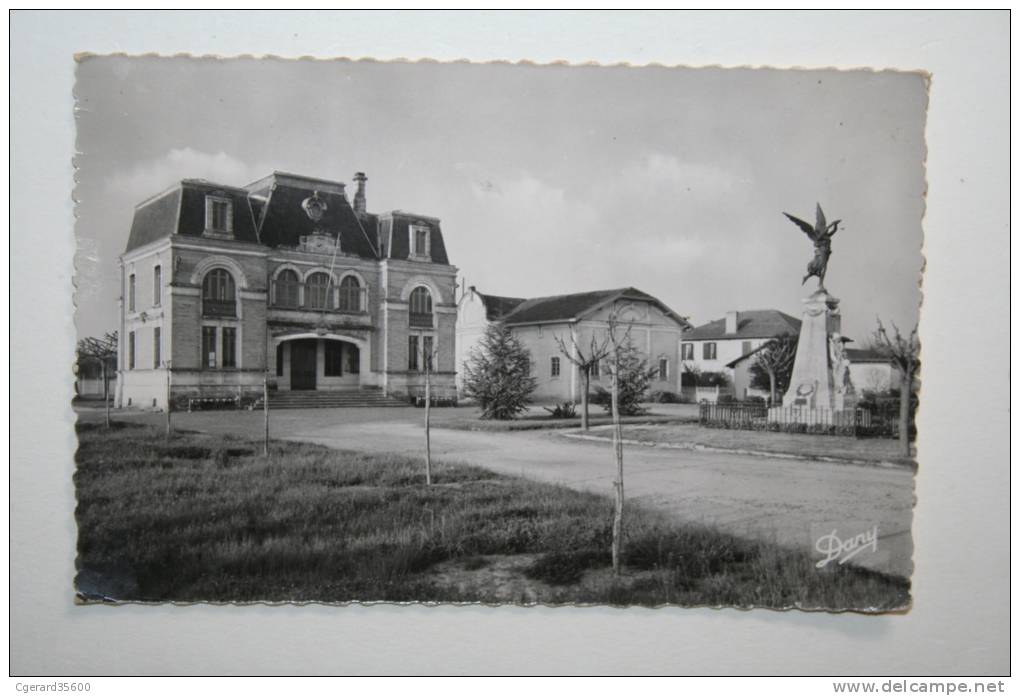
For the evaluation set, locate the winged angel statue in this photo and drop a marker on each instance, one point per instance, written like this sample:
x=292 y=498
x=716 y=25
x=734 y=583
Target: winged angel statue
x=821 y=234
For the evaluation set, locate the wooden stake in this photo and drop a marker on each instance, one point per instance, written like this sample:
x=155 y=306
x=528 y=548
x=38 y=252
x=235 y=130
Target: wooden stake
x=265 y=408
x=169 y=426
x=428 y=414
x=618 y=483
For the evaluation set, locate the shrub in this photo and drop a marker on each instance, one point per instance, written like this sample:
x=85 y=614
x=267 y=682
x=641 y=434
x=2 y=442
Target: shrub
x=726 y=399
x=664 y=397
x=634 y=378
x=564 y=410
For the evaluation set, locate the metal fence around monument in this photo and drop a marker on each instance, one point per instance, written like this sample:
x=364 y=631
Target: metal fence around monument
x=873 y=420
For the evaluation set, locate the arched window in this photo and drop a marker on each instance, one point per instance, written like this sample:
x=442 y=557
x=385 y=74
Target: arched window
x=288 y=287
x=317 y=292
x=219 y=295
x=421 y=307
x=350 y=294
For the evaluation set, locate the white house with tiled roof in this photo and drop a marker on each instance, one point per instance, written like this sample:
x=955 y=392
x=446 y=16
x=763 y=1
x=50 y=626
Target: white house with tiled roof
x=538 y=322
x=721 y=345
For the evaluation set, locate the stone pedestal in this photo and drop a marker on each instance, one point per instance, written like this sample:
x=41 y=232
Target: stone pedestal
x=820 y=386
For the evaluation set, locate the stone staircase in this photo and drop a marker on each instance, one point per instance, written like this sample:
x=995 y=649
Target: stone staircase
x=364 y=398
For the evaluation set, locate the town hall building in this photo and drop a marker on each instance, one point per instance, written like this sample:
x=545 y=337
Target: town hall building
x=223 y=287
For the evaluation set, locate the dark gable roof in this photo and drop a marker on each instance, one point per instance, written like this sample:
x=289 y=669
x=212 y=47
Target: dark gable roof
x=284 y=221
x=496 y=306
x=572 y=307
x=398 y=244
x=755 y=323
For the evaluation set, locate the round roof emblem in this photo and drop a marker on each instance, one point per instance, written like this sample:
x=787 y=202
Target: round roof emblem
x=314 y=207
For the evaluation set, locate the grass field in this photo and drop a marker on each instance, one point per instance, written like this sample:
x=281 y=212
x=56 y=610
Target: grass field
x=208 y=518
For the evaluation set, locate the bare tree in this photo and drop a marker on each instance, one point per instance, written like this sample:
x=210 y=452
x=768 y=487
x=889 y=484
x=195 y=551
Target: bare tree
x=102 y=351
x=597 y=351
x=775 y=360
x=618 y=344
x=904 y=352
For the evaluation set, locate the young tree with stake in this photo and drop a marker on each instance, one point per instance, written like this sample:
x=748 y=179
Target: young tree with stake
x=619 y=345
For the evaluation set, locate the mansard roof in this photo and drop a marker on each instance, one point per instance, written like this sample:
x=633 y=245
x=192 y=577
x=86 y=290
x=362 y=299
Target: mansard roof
x=269 y=211
x=754 y=323
x=567 y=308
x=395 y=231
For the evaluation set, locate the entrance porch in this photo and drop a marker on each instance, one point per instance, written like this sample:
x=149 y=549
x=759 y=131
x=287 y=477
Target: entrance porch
x=320 y=363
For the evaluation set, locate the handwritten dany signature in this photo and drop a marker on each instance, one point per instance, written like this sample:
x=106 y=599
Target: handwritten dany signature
x=833 y=548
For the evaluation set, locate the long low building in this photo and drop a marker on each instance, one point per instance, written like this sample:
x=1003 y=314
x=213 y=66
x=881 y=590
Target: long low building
x=655 y=330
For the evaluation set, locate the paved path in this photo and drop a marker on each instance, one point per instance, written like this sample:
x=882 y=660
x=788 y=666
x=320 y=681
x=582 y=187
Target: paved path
x=792 y=502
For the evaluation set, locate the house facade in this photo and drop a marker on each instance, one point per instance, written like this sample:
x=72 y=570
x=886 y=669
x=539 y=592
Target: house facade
x=727 y=345
x=285 y=280
x=655 y=330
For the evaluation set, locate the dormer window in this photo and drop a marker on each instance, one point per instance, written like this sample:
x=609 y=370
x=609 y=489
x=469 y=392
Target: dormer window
x=421 y=243
x=219 y=218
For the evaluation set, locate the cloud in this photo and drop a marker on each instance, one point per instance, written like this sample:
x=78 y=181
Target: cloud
x=152 y=176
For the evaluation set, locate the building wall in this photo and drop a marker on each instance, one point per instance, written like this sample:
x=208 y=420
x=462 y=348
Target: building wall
x=654 y=334
x=727 y=350
x=399 y=278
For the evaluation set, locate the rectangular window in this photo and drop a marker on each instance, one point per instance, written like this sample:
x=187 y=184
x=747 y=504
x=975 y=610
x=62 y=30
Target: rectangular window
x=131 y=292
x=229 y=334
x=745 y=347
x=708 y=351
x=412 y=353
x=156 y=347
x=131 y=350
x=157 y=285
x=595 y=370
x=217 y=215
x=426 y=352
x=687 y=351
x=421 y=241
x=279 y=360
x=209 y=346
x=554 y=367
x=663 y=368
x=334 y=359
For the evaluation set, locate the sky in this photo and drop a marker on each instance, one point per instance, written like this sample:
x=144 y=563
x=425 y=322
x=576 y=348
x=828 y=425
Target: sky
x=547 y=179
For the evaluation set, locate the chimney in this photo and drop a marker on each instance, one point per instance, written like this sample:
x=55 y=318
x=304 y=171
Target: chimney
x=359 y=195
x=732 y=322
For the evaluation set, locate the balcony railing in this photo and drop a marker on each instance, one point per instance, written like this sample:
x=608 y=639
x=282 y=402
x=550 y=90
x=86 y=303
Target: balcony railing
x=219 y=308
x=420 y=321
x=319 y=297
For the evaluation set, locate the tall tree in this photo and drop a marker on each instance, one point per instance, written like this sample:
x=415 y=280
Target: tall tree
x=773 y=365
x=102 y=351
x=584 y=360
x=904 y=352
x=497 y=374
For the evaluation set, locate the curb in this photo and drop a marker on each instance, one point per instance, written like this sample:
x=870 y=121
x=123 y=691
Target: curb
x=694 y=446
